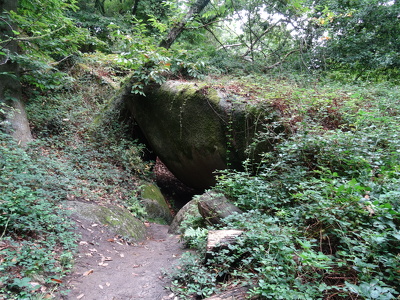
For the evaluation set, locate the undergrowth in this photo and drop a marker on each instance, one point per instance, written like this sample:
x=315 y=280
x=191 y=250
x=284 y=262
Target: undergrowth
x=321 y=211
x=36 y=241
x=75 y=156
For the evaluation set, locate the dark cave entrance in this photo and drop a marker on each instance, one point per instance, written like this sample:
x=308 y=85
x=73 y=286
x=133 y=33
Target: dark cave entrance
x=175 y=192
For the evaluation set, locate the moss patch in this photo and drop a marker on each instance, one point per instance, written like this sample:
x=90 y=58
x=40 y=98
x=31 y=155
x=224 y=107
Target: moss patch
x=118 y=220
x=196 y=127
x=155 y=204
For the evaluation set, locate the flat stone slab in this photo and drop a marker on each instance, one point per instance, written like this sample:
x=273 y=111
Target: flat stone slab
x=222 y=238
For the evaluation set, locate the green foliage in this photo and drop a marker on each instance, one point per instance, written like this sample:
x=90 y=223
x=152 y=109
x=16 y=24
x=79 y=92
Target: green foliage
x=322 y=210
x=191 y=278
x=5 y=113
x=348 y=39
x=46 y=37
x=97 y=26
x=362 y=34
x=134 y=203
x=36 y=238
x=73 y=157
x=39 y=20
x=135 y=207
x=195 y=238
x=151 y=64
x=97 y=155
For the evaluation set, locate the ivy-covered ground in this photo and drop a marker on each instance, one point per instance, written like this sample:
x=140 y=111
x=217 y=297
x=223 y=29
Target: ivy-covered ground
x=322 y=211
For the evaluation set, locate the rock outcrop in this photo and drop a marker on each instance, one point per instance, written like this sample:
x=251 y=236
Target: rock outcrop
x=118 y=220
x=154 y=202
x=197 y=129
x=212 y=207
x=189 y=211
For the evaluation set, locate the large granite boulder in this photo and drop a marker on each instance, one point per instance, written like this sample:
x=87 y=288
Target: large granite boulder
x=197 y=129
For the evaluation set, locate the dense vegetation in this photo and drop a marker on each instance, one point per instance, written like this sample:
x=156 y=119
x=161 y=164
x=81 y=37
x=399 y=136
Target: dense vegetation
x=321 y=212
x=75 y=156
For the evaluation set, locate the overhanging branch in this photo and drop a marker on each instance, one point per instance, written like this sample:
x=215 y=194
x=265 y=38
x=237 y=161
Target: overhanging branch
x=23 y=39
x=175 y=31
x=259 y=37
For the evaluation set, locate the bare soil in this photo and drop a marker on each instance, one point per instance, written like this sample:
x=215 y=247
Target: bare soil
x=110 y=268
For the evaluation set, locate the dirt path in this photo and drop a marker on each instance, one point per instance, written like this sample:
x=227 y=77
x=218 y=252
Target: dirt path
x=110 y=269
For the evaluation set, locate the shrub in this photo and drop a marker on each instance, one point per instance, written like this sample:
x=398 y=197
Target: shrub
x=73 y=157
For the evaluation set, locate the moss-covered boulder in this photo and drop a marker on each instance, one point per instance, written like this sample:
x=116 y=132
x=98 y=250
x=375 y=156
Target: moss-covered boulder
x=193 y=212
x=154 y=202
x=196 y=128
x=118 y=220
x=189 y=213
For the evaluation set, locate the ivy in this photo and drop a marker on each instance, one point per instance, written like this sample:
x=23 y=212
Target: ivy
x=322 y=212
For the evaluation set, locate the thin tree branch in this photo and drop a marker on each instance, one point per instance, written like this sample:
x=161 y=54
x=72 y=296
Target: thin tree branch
x=282 y=60
x=60 y=61
x=32 y=37
x=258 y=38
x=3 y=48
x=230 y=46
x=204 y=25
x=216 y=38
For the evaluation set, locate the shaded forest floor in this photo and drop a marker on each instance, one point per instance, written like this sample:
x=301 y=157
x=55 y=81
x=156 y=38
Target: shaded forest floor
x=110 y=268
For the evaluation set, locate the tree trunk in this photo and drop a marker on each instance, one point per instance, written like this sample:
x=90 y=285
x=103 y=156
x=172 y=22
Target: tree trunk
x=175 y=31
x=10 y=87
x=134 y=7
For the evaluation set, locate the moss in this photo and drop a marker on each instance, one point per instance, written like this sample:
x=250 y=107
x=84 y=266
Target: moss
x=122 y=221
x=196 y=129
x=151 y=191
x=155 y=204
x=213 y=96
x=118 y=220
x=192 y=120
